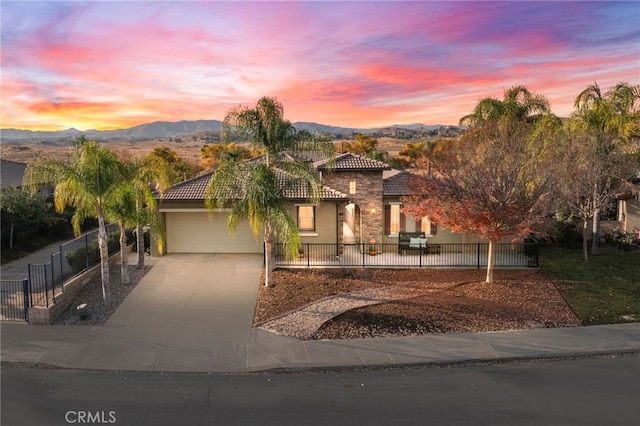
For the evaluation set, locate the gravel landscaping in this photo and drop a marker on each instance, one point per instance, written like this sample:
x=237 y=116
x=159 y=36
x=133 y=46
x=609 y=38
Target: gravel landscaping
x=448 y=301
x=91 y=294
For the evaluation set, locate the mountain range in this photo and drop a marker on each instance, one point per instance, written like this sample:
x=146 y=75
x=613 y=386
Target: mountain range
x=165 y=129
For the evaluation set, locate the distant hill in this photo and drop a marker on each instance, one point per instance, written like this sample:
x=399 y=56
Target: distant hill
x=157 y=129
x=417 y=126
x=166 y=129
x=7 y=134
x=323 y=128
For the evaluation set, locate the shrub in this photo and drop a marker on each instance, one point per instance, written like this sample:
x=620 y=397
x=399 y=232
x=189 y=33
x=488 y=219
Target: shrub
x=568 y=235
x=56 y=227
x=624 y=240
x=77 y=259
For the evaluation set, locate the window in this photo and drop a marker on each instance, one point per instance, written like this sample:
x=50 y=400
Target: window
x=428 y=227
x=395 y=219
x=425 y=225
x=352 y=187
x=306 y=218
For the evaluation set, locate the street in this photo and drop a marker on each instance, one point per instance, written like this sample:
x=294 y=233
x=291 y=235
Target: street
x=589 y=391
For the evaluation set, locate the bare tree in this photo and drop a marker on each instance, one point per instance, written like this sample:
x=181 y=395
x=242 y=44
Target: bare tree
x=612 y=120
x=595 y=166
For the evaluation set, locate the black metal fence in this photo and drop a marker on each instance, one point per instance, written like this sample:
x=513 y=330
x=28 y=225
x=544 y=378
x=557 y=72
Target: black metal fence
x=517 y=255
x=14 y=300
x=73 y=258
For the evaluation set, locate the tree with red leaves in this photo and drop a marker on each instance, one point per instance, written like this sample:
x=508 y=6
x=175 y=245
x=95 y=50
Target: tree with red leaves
x=496 y=181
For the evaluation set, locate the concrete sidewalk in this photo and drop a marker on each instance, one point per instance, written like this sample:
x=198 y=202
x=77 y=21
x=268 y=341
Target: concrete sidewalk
x=193 y=313
x=18 y=269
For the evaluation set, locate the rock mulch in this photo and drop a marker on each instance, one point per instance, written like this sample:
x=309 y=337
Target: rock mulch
x=303 y=323
x=91 y=294
x=426 y=301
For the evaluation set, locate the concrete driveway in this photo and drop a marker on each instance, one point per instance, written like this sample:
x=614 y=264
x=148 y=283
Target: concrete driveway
x=193 y=304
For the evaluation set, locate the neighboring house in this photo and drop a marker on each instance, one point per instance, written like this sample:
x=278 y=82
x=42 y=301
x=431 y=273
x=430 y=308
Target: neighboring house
x=12 y=174
x=361 y=201
x=629 y=208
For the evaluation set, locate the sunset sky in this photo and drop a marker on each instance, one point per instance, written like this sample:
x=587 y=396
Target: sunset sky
x=111 y=64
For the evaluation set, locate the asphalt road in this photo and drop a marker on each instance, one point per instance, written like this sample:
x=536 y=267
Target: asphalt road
x=590 y=391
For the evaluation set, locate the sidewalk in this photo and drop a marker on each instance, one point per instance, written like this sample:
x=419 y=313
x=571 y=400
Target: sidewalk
x=18 y=269
x=193 y=313
x=109 y=349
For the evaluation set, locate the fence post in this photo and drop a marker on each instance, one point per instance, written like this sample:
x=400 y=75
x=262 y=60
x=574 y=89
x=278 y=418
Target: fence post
x=25 y=298
x=308 y=256
x=61 y=267
x=53 y=284
x=53 y=281
x=29 y=278
x=46 y=286
x=478 y=251
x=362 y=250
x=86 y=250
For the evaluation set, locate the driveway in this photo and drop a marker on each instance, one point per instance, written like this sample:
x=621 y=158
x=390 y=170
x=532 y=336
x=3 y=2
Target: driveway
x=196 y=306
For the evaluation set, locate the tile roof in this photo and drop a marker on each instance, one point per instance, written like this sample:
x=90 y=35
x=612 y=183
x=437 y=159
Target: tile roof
x=195 y=189
x=296 y=189
x=11 y=174
x=397 y=185
x=192 y=189
x=349 y=161
x=345 y=161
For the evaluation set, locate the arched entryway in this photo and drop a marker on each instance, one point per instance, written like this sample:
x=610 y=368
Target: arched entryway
x=351 y=224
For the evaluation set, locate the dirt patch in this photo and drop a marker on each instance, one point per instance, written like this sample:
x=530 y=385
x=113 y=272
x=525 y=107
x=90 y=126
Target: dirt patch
x=457 y=300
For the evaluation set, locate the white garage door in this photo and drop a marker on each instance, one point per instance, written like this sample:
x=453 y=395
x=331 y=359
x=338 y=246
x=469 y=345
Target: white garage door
x=195 y=232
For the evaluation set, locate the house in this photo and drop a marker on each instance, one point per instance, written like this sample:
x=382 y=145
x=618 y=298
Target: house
x=12 y=175
x=361 y=200
x=629 y=208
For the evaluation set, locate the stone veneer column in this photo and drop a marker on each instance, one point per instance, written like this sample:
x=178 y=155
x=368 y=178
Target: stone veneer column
x=368 y=198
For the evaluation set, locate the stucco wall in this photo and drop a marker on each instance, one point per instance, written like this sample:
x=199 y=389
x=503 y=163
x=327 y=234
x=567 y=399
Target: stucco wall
x=442 y=236
x=629 y=214
x=325 y=221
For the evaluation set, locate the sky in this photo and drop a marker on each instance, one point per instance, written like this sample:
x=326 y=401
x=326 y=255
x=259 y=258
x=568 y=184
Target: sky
x=115 y=64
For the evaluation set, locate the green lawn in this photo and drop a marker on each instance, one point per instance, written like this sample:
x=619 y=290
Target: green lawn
x=599 y=290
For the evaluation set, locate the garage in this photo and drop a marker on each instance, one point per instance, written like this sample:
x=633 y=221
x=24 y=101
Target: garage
x=196 y=232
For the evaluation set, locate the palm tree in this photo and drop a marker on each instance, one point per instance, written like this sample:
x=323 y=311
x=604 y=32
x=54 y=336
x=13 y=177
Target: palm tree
x=149 y=175
x=518 y=103
x=256 y=190
x=132 y=204
x=120 y=208
x=84 y=183
x=612 y=120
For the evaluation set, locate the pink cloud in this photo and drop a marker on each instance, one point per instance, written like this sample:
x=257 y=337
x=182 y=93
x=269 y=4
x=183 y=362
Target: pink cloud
x=106 y=64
